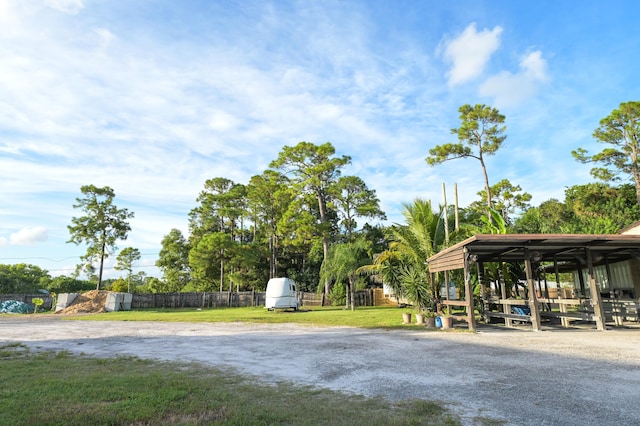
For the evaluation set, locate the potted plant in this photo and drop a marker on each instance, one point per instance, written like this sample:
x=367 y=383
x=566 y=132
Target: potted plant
x=429 y=318
x=415 y=288
x=447 y=321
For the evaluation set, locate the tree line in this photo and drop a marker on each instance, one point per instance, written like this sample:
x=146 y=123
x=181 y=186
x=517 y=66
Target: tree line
x=302 y=219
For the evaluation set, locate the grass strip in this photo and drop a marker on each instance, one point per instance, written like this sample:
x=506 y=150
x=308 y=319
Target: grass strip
x=365 y=317
x=57 y=388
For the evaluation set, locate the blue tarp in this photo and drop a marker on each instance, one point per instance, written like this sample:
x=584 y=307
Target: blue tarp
x=15 y=307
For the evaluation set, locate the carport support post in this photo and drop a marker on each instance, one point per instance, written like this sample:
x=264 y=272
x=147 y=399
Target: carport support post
x=483 y=291
x=533 y=299
x=596 y=301
x=468 y=293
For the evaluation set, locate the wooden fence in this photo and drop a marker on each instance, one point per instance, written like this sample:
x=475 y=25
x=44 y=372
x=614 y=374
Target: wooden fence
x=226 y=299
x=366 y=297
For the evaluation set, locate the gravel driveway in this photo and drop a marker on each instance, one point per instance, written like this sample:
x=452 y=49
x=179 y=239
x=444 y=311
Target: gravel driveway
x=560 y=377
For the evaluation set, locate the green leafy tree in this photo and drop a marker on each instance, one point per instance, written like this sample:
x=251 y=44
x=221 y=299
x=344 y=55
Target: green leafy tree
x=221 y=209
x=102 y=225
x=124 y=262
x=352 y=199
x=411 y=245
x=315 y=170
x=595 y=208
x=269 y=197
x=173 y=261
x=620 y=130
x=23 y=278
x=507 y=199
x=64 y=284
x=481 y=133
x=342 y=265
x=207 y=261
x=547 y=218
x=599 y=208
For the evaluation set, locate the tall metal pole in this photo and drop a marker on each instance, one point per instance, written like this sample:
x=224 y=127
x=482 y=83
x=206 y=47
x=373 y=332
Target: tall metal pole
x=455 y=192
x=446 y=222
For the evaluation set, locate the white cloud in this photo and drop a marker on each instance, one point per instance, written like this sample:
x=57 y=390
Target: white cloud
x=469 y=53
x=510 y=89
x=29 y=236
x=72 y=7
x=105 y=36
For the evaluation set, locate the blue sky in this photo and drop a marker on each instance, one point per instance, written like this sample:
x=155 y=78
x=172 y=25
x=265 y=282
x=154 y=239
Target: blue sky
x=154 y=97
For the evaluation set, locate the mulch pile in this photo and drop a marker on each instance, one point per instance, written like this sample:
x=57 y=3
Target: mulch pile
x=91 y=302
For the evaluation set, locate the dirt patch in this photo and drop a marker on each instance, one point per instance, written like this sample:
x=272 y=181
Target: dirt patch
x=91 y=302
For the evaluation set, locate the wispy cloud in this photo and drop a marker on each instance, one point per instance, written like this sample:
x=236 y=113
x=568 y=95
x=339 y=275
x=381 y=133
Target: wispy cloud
x=469 y=53
x=154 y=101
x=26 y=236
x=509 y=89
x=71 y=7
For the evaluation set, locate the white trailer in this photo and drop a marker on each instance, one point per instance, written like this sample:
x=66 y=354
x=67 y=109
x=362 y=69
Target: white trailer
x=281 y=294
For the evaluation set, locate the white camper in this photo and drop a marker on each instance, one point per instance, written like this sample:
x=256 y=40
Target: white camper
x=281 y=294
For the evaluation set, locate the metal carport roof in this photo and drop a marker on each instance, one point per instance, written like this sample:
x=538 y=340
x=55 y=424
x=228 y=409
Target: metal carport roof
x=543 y=247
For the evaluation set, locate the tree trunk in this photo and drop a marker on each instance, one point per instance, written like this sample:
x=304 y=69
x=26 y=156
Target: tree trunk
x=352 y=288
x=322 y=205
x=221 y=274
x=636 y=174
x=486 y=183
x=102 y=250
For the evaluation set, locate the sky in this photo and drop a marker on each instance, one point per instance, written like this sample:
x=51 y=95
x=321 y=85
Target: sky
x=154 y=97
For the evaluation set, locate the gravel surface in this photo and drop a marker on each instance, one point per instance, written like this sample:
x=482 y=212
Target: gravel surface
x=559 y=377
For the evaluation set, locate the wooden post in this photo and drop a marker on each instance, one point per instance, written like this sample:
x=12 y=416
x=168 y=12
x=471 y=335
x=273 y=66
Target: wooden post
x=503 y=293
x=616 y=307
x=483 y=290
x=468 y=293
x=533 y=300
x=563 y=307
x=581 y=281
x=446 y=288
x=596 y=300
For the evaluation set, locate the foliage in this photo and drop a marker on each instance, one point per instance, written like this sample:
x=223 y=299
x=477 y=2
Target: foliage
x=102 y=225
x=22 y=278
x=268 y=198
x=620 y=130
x=481 y=133
x=37 y=301
x=411 y=245
x=207 y=259
x=124 y=262
x=314 y=170
x=506 y=198
x=64 y=284
x=547 y=218
x=595 y=208
x=351 y=199
x=342 y=264
x=415 y=287
x=173 y=261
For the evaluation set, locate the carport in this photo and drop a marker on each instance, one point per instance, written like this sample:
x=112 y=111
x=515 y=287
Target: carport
x=554 y=252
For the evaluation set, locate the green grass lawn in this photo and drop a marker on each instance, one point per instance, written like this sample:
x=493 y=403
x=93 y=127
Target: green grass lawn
x=63 y=389
x=60 y=389
x=366 y=317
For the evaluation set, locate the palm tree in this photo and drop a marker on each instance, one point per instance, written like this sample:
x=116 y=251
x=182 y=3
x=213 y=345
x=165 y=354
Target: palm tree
x=403 y=265
x=342 y=265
